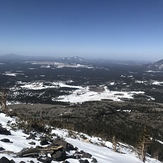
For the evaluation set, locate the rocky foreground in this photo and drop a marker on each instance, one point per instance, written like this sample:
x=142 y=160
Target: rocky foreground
x=43 y=147
x=19 y=144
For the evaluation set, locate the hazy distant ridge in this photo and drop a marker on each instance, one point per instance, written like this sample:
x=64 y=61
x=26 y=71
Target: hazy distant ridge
x=156 y=66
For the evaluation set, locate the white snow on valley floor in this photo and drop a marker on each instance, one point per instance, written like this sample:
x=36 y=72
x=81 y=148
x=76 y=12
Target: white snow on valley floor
x=102 y=154
x=84 y=94
x=40 y=85
x=157 y=83
x=140 y=82
x=48 y=64
x=8 y=73
x=80 y=93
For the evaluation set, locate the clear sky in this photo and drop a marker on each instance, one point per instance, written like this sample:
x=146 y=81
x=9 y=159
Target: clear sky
x=113 y=29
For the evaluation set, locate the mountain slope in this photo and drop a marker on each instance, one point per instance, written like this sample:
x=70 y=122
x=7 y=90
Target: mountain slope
x=92 y=151
x=156 y=66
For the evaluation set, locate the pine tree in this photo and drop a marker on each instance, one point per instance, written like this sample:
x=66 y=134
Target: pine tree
x=114 y=144
x=3 y=98
x=144 y=141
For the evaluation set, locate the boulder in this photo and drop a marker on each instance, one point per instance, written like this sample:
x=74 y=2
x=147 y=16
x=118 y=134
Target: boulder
x=1 y=149
x=31 y=152
x=6 y=160
x=32 y=143
x=59 y=155
x=66 y=146
x=44 y=141
x=4 y=131
x=5 y=140
x=47 y=161
x=31 y=136
x=83 y=161
x=31 y=161
x=85 y=155
x=44 y=159
x=94 y=160
x=82 y=154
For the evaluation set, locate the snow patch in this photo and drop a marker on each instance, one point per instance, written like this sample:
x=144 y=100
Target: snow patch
x=157 y=82
x=8 y=73
x=40 y=85
x=84 y=94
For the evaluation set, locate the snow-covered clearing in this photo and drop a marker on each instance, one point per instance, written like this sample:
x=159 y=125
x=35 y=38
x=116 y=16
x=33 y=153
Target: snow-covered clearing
x=42 y=85
x=85 y=94
x=60 y=65
x=77 y=93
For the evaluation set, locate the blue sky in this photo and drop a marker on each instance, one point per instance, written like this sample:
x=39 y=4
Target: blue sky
x=113 y=29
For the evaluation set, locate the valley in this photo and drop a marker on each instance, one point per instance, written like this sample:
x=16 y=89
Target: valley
x=102 y=99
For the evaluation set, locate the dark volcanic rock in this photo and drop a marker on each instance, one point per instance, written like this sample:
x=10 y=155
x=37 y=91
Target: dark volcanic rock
x=44 y=159
x=85 y=155
x=94 y=160
x=32 y=143
x=32 y=152
x=44 y=141
x=6 y=160
x=82 y=154
x=65 y=161
x=83 y=161
x=47 y=160
x=66 y=146
x=1 y=149
x=31 y=161
x=5 y=140
x=4 y=131
x=31 y=136
x=59 y=155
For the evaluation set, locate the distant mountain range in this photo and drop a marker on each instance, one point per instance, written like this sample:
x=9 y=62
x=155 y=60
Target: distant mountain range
x=74 y=59
x=9 y=57
x=156 y=66
x=16 y=57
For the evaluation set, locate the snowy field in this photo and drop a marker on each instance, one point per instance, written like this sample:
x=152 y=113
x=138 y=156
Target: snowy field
x=60 y=65
x=78 y=94
x=84 y=94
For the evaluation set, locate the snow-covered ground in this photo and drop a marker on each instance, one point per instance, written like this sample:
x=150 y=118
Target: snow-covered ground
x=60 y=65
x=8 y=73
x=85 y=94
x=98 y=148
x=80 y=93
x=42 y=85
x=152 y=82
x=157 y=83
